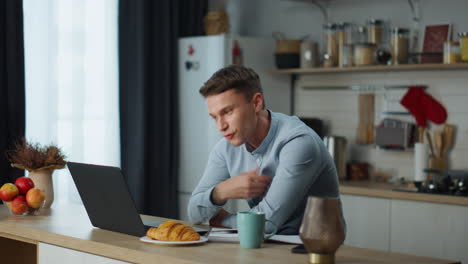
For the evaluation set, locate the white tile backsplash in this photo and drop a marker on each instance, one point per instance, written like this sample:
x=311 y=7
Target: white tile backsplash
x=455 y=103
x=339 y=109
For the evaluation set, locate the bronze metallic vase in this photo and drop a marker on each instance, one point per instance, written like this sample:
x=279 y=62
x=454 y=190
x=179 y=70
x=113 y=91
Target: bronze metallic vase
x=322 y=229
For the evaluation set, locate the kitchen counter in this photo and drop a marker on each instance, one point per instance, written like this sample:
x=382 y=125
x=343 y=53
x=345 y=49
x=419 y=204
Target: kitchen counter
x=68 y=226
x=385 y=190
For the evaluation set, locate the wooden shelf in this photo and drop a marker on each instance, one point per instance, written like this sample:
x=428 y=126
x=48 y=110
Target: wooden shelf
x=377 y=68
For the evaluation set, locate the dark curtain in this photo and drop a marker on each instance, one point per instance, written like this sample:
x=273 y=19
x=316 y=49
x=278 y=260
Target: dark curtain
x=148 y=33
x=12 y=94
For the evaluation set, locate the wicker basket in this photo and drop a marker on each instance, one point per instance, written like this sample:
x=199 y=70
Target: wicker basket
x=284 y=45
x=216 y=22
x=288 y=46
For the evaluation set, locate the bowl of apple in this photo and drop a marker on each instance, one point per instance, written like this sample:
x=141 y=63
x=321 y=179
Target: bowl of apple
x=21 y=198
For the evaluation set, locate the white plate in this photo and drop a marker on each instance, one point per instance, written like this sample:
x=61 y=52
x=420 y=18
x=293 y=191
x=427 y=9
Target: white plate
x=173 y=243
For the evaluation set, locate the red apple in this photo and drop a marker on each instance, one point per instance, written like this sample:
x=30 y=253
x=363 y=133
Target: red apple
x=35 y=198
x=8 y=191
x=24 y=184
x=19 y=205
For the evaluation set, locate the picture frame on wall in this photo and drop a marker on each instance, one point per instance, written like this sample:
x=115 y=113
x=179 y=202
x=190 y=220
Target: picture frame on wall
x=433 y=45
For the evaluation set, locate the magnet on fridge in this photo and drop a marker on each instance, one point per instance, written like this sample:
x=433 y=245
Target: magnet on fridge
x=196 y=65
x=236 y=53
x=188 y=65
x=191 y=50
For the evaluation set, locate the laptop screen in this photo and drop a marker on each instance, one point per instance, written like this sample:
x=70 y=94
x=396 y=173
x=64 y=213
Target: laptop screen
x=106 y=197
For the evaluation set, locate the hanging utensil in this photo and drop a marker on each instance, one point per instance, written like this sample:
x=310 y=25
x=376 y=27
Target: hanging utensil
x=429 y=141
x=370 y=118
x=421 y=130
x=438 y=140
x=362 y=130
x=448 y=135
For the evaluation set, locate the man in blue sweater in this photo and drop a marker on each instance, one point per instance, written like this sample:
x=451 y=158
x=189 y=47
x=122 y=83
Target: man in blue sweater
x=273 y=160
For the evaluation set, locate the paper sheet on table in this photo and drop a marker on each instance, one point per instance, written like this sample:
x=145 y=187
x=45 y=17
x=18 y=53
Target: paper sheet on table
x=295 y=239
x=219 y=229
x=230 y=237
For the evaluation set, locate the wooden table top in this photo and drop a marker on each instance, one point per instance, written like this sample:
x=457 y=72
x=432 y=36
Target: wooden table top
x=68 y=226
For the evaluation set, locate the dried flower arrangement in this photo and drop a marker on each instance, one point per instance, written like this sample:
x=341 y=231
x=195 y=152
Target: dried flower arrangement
x=31 y=157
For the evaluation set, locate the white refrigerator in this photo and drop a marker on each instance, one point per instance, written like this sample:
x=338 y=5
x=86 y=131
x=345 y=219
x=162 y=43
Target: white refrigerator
x=199 y=58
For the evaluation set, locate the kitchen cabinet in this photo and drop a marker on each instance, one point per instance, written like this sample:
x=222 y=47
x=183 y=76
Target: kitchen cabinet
x=427 y=229
x=50 y=254
x=403 y=226
x=367 y=221
x=18 y=251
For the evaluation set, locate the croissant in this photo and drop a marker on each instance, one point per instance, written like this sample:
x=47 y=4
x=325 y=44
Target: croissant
x=173 y=231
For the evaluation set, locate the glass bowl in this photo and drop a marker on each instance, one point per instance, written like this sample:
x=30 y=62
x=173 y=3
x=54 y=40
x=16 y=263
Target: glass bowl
x=31 y=211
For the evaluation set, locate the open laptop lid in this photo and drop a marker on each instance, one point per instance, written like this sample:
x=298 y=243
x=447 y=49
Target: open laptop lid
x=106 y=198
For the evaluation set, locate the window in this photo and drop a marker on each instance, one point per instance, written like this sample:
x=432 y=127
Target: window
x=71 y=70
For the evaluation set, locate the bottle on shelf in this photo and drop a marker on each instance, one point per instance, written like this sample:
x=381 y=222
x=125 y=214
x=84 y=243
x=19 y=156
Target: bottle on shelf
x=345 y=47
x=330 y=45
x=399 y=45
x=463 y=46
x=375 y=31
x=451 y=52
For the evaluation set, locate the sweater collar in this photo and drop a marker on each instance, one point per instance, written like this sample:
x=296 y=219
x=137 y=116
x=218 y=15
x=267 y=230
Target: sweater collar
x=268 y=139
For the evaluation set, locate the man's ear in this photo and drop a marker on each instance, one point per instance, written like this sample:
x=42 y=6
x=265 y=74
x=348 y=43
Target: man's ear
x=258 y=102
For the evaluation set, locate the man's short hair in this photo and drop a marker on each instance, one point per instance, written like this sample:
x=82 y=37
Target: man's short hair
x=242 y=79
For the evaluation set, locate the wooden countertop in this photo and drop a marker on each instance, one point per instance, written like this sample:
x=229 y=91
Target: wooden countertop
x=385 y=190
x=68 y=226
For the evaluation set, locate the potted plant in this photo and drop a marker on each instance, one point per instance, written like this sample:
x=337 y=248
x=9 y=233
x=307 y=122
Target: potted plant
x=40 y=161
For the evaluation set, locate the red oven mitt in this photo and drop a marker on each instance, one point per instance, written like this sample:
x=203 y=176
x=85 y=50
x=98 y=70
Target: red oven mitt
x=423 y=106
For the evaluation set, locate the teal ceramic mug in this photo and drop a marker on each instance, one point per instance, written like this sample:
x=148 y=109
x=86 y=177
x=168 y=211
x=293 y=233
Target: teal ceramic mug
x=251 y=226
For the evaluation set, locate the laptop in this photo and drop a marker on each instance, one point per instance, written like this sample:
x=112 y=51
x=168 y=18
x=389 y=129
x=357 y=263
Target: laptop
x=107 y=200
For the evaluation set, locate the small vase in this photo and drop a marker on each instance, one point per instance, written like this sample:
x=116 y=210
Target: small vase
x=42 y=179
x=322 y=229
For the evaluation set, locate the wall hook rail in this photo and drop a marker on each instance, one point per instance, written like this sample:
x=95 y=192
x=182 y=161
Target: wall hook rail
x=361 y=88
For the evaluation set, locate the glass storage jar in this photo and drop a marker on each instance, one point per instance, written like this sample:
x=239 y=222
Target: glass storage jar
x=451 y=52
x=344 y=37
x=344 y=32
x=399 y=44
x=361 y=35
x=346 y=55
x=330 y=44
x=463 y=46
x=375 y=31
x=364 y=54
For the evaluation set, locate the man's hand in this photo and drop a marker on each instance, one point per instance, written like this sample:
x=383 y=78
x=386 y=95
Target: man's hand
x=242 y=186
x=218 y=219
